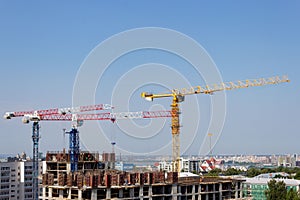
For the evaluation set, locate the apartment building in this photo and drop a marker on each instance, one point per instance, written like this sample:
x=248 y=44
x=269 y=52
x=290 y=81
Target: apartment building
x=16 y=179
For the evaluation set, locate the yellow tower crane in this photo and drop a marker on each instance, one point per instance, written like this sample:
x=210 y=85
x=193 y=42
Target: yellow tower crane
x=178 y=97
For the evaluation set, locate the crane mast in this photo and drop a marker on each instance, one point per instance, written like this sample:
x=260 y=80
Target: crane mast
x=35 y=163
x=178 y=96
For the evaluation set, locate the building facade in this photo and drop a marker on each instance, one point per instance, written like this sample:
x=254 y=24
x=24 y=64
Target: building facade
x=16 y=180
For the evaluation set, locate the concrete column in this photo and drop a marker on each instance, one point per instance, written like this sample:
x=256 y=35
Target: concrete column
x=44 y=193
x=121 y=193
x=94 y=194
x=150 y=192
x=220 y=191
x=193 y=192
x=236 y=191
x=131 y=192
x=174 y=192
x=108 y=193
x=79 y=194
x=61 y=194
x=178 y=192
x=241 y=191
x=214 y=189
x=69 y=193
x=199 y=192
x=206 y=189
x=141 y=192
x=50 y=192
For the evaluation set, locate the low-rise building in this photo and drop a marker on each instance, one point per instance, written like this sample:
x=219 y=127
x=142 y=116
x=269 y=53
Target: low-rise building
x=254 y=188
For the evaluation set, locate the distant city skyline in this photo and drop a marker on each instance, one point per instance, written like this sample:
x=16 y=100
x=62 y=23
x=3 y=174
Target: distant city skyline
x=43 y=46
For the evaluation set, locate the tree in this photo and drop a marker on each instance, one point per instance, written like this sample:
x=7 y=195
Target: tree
x=292 y=195
x=253 y=172
x=276 y=190
x=232 y=171
x=214 y=172
x=297 y=176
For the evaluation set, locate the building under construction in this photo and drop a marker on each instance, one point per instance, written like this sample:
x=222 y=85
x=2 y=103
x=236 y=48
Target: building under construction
x=93 y=180
x=80 y=175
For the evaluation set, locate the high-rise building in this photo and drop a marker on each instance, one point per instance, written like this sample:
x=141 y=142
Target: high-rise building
x=16 y=180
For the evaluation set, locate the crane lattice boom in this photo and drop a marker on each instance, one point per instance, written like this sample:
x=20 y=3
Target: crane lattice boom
x=53 y=111
x=98 y=116
x=209 y=89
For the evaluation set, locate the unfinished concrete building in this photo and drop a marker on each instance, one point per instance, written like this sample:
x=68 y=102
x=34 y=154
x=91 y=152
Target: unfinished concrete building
x=93 y=181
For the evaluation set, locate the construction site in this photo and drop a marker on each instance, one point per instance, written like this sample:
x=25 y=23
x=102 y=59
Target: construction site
x=76 y=174
x=93 y=181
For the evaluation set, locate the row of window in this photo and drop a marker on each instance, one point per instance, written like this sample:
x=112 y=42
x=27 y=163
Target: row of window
x=28 y=190
x=7 y=198
x=4 y=192
x=28 y=196
x=7 y=173
x=7 y=186
x=8 y=168
x=28 y=179
x=4 y=186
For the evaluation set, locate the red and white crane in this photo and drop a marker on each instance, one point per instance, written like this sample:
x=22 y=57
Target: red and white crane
x=36 y=116
x=52 y=111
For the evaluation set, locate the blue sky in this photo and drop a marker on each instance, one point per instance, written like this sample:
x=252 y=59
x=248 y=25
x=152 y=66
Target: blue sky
x=44 y=44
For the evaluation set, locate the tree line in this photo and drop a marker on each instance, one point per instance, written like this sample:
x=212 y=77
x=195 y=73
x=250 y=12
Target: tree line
x=294 y=173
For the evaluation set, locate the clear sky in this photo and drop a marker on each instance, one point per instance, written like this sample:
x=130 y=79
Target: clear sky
x=43 y=45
